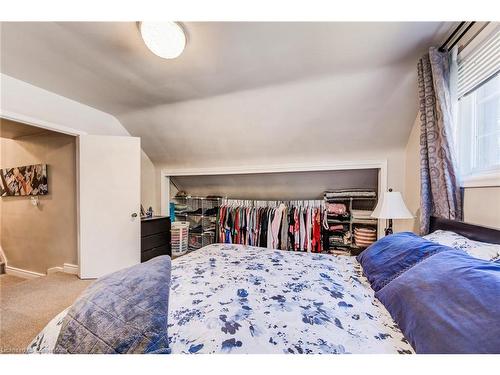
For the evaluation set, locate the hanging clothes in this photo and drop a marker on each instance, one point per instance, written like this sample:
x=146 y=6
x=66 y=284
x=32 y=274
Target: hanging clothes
x=292 y=225
x=316 y=232
x=275 y=226
x=308 y=229
x=284 y=229
x=302 y=230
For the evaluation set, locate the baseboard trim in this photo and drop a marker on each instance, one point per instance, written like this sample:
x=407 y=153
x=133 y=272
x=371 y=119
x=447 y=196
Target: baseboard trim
x=25 y=274
x=52 y=270
x=70 y=268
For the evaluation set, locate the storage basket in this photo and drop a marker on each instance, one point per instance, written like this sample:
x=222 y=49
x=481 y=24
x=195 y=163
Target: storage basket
x=207 y=238
x=195 y=241
x=364 y=236
x=179 y=237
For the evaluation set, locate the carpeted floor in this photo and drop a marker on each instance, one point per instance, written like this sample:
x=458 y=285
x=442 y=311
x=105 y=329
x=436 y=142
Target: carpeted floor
x=9 y=280
x=26 y=306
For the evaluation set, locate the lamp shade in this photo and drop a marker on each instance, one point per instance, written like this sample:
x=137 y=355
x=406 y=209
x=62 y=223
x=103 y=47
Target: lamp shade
x=391 y=206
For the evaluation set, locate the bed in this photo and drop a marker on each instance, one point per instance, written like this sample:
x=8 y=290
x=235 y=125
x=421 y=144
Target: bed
x=241 y=299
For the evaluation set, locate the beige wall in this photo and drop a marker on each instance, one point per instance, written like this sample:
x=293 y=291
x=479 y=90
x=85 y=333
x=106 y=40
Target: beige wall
x=481 y=205
x=38 y=238
x=411 y=191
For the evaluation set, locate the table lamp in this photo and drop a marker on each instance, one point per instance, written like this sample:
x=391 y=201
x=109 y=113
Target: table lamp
x=391 y=206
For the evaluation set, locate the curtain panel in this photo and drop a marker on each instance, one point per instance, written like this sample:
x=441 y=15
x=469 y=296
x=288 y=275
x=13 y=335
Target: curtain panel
x=440 y=190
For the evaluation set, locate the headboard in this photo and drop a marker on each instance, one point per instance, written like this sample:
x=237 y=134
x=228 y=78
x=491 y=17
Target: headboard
x=474 y=232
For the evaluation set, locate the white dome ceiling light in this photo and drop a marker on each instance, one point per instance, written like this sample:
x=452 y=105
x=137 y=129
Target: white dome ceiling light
x=164 y=39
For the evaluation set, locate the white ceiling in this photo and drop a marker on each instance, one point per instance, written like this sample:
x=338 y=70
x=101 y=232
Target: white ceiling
x=242 y=92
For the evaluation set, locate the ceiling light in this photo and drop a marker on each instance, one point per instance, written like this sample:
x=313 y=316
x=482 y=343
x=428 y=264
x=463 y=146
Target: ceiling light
x=164 y=39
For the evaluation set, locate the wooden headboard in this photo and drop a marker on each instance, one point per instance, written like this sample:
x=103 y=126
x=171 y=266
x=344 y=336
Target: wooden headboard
x=474 y=232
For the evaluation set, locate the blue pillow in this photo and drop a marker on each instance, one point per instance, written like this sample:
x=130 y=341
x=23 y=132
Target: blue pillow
x=124 y=312
x=394 y=254
x=449 y=303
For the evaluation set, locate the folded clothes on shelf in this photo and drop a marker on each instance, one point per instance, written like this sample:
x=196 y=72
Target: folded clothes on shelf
x=211 y=211
x=336 y=208
x=336 y=239
x=339 y=238
x=195 y=212
x=338 y=228
x=196 y=229
x=361 y=214
x=348 y=193
x=343 y=217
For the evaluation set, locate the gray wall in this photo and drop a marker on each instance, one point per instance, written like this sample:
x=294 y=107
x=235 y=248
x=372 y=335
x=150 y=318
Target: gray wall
x=276 y=186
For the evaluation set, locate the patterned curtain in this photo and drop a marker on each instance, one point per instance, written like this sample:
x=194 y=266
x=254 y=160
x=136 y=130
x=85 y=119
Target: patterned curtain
x=440 y=191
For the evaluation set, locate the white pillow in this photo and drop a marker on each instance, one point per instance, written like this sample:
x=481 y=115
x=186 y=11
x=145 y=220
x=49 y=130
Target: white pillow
x=481 y=250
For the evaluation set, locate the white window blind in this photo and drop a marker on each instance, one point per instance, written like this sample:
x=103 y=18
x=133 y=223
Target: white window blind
x=477 y=88
x=479 y=66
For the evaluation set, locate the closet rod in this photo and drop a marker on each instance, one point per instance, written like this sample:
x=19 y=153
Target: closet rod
x=272 y=200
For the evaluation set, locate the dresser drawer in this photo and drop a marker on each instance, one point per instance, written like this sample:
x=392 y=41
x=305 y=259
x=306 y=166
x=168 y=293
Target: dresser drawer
x=155 y=240
x=155 y=237
x=154 y=226
x=157 y=251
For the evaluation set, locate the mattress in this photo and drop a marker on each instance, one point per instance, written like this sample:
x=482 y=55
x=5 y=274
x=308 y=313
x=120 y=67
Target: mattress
x=242 y=299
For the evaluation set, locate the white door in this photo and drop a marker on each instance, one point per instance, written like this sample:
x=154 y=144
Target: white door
x=109 y=204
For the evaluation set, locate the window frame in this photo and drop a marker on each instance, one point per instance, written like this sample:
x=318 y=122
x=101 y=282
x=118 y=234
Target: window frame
x=472 y=177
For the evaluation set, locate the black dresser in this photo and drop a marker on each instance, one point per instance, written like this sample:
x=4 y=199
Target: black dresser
x=155 y=237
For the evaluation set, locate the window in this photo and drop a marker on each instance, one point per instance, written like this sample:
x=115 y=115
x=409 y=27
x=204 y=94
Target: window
x=478 y=130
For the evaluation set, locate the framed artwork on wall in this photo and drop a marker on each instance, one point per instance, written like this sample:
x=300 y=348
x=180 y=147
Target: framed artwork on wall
x=25 y=180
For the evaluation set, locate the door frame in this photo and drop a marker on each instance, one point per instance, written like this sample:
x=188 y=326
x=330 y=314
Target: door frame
x=57 y=128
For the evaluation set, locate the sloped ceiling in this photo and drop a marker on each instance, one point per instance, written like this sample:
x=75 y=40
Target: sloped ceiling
x=241 y=93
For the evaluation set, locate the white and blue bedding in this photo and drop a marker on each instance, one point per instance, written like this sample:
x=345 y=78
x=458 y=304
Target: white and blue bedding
x=124 y=312
x=242 y=299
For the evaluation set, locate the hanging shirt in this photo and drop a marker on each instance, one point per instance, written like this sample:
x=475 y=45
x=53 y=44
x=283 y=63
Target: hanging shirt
x=284 y=229
x=296 y=229
x=308 y=229
x=269 y=240
x=263 y=228
x=291 y=229
x=316 y=242
x=275 y=227
x=302 y=229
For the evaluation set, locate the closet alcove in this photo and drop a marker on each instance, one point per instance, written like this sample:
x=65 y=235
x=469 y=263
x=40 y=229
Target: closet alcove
x=275 y=184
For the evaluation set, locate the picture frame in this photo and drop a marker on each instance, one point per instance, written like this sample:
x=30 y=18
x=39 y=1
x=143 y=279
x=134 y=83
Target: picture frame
x=27 y=180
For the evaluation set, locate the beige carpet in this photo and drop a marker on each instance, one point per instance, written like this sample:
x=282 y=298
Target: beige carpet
x=26 y=306
x=9 y=280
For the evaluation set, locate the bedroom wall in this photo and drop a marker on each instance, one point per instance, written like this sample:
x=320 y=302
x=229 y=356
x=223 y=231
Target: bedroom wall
x=31 y=102
x=481 y=205
x=277 y=186
x=38 y=238
x=411 y=192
